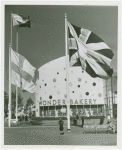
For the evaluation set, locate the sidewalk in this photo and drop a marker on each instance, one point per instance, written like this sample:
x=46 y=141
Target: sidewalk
x=51 y=136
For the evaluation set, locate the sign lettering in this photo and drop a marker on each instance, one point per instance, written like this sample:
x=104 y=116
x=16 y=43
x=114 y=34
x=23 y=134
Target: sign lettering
x=72 y=102
x=59 y=102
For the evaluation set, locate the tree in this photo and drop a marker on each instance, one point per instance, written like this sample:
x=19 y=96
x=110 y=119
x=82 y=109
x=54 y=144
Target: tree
x=29 y=102
x=5 y=103
x=28 y=105
x=13 y=101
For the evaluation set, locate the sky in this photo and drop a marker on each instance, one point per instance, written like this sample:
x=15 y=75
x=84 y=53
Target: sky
x=45 y=40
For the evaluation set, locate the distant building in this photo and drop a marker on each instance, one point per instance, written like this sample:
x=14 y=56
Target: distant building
x=110 y=95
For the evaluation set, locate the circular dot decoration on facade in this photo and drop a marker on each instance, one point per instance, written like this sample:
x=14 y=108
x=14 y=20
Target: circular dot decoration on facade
x=64 y=68
x=54 y=80
x=78 y=86
x=42 y=80
x=40 y=86
x=54 y=86
x=72 y=91
x=57 y=72
x=50 y=97
x=65 y=96
x=58 y=92
x=99 y=94
x=82 y=71
x=94 y=84
x=85 y=81
x=87 y=93
x=65 y=79
x=45 y=84
x=40 y=98
x=70 y=84
x=79 y=79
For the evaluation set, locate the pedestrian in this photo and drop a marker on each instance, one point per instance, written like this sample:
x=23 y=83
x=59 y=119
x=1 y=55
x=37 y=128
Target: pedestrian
x=100 y=118
x=61 y=127
x=108 y=118
x=82 y=121
x=87 y=115
x=111 y=127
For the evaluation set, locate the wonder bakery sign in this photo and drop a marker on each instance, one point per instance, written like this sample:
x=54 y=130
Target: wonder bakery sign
x=72 y=102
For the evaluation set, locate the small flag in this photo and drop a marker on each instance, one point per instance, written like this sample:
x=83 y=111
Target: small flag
x=23 y=73
x=21 y=21
x=90 y=52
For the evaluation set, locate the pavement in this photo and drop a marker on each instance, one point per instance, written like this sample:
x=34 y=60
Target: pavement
x=50 y=135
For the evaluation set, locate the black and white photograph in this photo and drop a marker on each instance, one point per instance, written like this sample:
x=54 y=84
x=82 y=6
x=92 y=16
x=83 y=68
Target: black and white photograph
x=61 y=68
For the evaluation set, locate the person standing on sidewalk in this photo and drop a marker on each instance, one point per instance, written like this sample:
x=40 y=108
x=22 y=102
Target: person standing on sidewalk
x=61 y=127
x=82 y=121
x=108 y=118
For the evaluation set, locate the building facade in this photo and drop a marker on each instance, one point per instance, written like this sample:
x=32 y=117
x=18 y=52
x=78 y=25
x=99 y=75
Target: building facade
x=85 y=92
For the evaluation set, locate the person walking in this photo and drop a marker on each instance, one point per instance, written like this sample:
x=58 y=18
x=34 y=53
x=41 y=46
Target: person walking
x=87 y=115
x=108 y=118
x=61 y=127
x=82 y=121
x=100 y=119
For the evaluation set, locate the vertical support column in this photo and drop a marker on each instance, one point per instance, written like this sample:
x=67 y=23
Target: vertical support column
x=43 y=111
x=83 y=109
x=112 y=96
x=97 y=109
x=62 y=112
x=48 y=111
x=76 y=109
x=107 y=98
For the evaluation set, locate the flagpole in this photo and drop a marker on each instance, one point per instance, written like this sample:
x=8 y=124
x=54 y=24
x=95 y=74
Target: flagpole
x=10 y=46
x=9 y=122
x=67 y=75
x=11 y=30
x=16 y=85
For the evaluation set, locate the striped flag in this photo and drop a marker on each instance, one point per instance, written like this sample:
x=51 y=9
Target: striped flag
x=90 y=52
x=21 y=21
x=23 y=73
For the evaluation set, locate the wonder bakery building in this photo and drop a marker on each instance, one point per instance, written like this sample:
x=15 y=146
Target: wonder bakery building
x=86 y=93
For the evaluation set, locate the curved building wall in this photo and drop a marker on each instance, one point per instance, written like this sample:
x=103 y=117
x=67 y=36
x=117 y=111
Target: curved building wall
x=51 y=87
